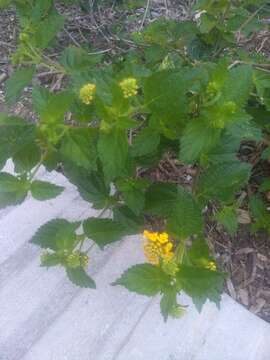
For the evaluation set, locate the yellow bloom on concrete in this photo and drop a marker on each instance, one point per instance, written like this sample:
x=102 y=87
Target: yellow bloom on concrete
x=129 y=87
x=157 y=246
x=87 y=93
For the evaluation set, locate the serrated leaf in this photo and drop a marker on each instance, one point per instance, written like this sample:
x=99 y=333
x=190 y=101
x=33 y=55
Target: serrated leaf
x=77 y=59
x=103 y=231
x=198 y=138
x=198 y=254
x=15 y=135
x=47 y=29
x=165 y=95
x=79 y=146
x=133 y=223
x=43 y=190
x=227 y=179
x=133 y=193
x=40 y=98
x=146 y=142
x=228 y=218
x=79 y=277
x=57 y=234
x=201 y=284
x=186 y=218
x=16 y=83
x=90 y=185
x=40 y=10
x=145 y=279
x=259 y=213
x=113 y=153
x=27 y=157
x=168 y=303
x=12 y=190
x=238 y=86
x=160 y=199
x=53 y=106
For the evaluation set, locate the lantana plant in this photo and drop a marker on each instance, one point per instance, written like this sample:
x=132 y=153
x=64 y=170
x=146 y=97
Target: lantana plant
x=187 y=92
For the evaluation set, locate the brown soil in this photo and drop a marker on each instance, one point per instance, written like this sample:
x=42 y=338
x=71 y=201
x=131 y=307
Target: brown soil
x=245 y=256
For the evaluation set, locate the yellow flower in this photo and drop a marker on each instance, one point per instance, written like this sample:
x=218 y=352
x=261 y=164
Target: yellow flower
x=211 y=266
x=157 y=246
x=129 y=87
x=87 y=93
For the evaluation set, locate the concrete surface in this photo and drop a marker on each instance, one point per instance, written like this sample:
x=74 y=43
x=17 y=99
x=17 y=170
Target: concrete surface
x=44 y=317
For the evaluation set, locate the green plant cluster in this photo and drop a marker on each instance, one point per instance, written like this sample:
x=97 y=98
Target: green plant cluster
x=188 y=90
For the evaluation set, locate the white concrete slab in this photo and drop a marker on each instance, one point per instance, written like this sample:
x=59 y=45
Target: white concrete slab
x=44 y=317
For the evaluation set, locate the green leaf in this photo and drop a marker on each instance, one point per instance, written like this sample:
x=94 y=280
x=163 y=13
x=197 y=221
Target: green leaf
x=57 y=234
x=40 y=10
x=186 y=218
x=12 y=190
x=238 y=86
x=54 y=106
x=145 y=279
x=15 y=136
x=201 y=284
x=77 y=59
x=259 y=213
x=146 y=142
x=266 y=154
x=265 y=185
x=160 y=199
x=40 y=98
x=228 y=218
x=113 y=153
x=26 y=157
x=51 y=259
x=103 y=231
x=165 y=94
x=133 y=223
x=16 y=83
x=227 y=179
x=198 y=254
x=79 y=146
x=79 y=277
x=47 y=29
x=198 y=138
x=90 y=185
x=168 y=303
x=133 y=193
x=43 y=190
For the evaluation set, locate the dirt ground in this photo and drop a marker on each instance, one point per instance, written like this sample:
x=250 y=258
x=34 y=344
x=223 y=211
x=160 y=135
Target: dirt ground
x=245 y=256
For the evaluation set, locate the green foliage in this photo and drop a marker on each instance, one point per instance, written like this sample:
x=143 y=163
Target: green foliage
x=103 y=231
x=43 y=190
x=12 y=190
x=187 y=92
x=228 y=218
x=80 y=278
x=16 y=83
x=201 y=284
x=57 y=234
x=144 y=279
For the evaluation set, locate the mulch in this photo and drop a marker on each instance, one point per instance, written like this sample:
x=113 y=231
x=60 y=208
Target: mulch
x=246 y=256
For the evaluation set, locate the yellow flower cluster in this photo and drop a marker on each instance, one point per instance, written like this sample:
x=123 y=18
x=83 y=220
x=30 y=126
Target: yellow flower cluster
x=87 y=93
x=129 y=87
x=211 y=266
x=157 y=246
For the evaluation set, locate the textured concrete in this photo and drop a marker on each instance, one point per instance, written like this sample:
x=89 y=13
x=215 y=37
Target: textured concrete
x=44 y=317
